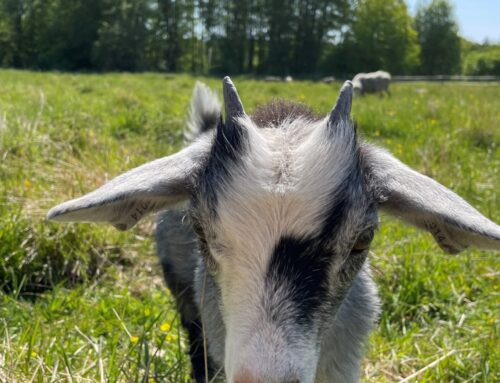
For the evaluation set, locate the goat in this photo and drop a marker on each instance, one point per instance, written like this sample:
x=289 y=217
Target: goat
x=281 y=208
x=328 y=79
x=374 y=82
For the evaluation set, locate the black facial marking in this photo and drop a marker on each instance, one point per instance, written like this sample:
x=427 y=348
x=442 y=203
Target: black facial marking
x=302 y=265
x=342 y=200
x=228 y=143
x=227 y=149
x=209 y=121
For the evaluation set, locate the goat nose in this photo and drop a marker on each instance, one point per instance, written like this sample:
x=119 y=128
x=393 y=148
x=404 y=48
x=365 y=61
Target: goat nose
x=245 y=376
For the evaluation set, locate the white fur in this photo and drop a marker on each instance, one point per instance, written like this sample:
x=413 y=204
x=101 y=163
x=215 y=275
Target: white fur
x=204 y=105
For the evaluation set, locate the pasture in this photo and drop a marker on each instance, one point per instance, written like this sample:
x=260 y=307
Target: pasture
x=86 y=303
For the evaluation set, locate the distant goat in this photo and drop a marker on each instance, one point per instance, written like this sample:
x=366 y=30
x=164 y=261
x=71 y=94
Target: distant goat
x=374 y=82
x=269 y=261
x=328 y=79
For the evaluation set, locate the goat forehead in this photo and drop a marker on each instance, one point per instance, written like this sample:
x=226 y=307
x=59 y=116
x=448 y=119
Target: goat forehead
x=284 y=179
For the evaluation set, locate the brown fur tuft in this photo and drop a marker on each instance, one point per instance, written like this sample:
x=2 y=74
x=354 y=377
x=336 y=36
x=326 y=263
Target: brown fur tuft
x=277 y=111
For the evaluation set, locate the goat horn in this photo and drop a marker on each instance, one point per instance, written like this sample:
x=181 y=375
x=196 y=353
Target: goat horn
x=342 y=108
x=232 y=102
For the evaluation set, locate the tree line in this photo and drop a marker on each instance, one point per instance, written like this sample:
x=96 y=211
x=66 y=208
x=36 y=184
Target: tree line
x=259 y=37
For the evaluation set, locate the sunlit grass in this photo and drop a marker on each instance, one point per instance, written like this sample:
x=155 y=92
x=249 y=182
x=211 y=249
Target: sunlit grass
x=86 y=303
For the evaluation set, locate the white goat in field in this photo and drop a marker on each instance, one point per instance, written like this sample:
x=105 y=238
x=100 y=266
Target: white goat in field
x=374 y=82
x=271 y=260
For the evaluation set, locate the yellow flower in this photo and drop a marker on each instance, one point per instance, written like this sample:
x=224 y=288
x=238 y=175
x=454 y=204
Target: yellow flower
x=134 y=339
x=33 y=354
x=165 y=327
x=27 y=184
x=169 y=338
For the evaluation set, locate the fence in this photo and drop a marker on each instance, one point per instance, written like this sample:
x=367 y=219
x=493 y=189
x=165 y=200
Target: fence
x=445 y=78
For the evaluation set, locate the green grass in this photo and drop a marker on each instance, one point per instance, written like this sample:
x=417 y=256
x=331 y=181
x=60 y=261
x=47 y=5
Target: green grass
x=85 y=303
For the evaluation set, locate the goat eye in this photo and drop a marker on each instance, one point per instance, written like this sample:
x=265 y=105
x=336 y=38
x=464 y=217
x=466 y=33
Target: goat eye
x=363 y=242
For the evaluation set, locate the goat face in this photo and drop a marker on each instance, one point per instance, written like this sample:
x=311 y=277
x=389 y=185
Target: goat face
x=284 y=220
x=285 y=207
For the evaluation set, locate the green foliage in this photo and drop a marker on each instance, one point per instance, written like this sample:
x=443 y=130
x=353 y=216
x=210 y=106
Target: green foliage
x=52 y=34
x=37 y=256
x=121 y=37
x=302 y=38
x=174 y=20
x=438 y=37
x=250 y=36
x=103 y=313
x=382 y=37
x=482 y=60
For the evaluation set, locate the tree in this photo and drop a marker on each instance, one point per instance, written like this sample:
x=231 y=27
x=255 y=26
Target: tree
x=438 y=37
x=383 y=37
x=480 y=59
x=315 y=20
x=280 y=24
x=122 y=35
x=11 y=33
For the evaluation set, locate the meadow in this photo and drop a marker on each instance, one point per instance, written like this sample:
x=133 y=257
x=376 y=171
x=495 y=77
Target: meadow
x=86 y=303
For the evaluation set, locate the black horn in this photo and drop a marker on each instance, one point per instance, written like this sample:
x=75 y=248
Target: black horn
x=232 y=102
x=230 y=137
x=342 y=108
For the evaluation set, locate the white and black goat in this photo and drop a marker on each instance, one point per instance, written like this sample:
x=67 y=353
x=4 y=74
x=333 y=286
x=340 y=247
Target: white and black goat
x=373 y=82
x=270 y=263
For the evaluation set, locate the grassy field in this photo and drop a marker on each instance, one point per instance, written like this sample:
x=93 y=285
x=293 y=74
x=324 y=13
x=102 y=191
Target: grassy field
x=85 y=303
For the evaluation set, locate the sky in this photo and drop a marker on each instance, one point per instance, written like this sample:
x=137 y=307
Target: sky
x=478 y=19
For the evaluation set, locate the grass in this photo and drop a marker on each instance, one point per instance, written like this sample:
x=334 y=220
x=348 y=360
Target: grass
x=85 y=303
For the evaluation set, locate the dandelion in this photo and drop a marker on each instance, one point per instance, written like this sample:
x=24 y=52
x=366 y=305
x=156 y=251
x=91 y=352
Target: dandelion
x=165 y=327
x=33 y=354
x=134 y=339
x=169 y=338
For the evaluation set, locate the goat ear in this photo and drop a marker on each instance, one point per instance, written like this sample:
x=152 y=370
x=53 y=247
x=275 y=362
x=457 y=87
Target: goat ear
x=425 y=203
x=148 y=188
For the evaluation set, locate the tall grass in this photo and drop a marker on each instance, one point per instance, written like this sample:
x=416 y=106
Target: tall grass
x=85 y=303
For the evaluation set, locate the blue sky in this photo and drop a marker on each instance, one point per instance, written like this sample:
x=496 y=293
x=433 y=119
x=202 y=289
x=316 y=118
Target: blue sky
x=477 y=19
